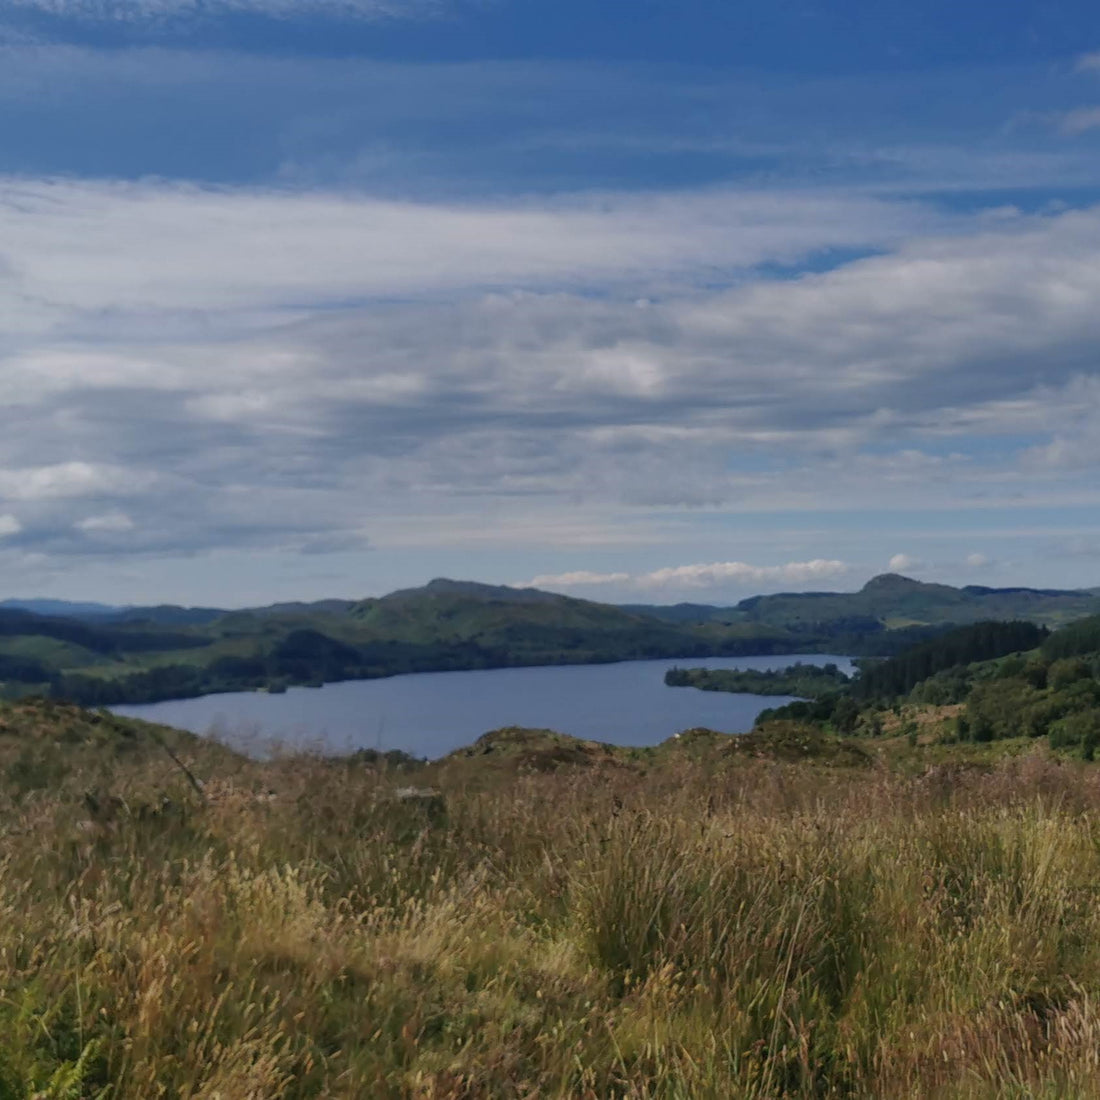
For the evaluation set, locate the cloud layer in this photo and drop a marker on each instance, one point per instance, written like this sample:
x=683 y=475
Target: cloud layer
x=154 y=10
x=711 y=575
x=77 y=249
x=192 y=370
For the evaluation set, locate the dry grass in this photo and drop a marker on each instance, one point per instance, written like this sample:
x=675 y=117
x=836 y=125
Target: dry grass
x=721 y=926
x=929 y=722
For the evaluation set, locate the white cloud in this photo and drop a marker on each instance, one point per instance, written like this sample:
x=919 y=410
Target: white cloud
x=69 y=480
x=1075 y=442
x=979 y=561
x=739 y=572
x=1079 y=120
x=1088 y=63
x=903 y=563
x=108 y=523
x=577 y=579
x=156 y=10
x=9 y=525
x=590 y=416
x=76 y=249
x=701 y=576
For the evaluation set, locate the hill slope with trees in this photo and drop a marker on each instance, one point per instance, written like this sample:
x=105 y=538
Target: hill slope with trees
x=982 y=683
x=101 y=656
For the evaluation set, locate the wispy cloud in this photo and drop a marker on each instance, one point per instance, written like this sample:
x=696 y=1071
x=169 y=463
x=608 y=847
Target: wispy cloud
x=255 y=369
x=578 y=578
x=709 y=575
x=69 y=481
x=86 y=247
x=1088 y=63
x=1079 y=120
x=510 y=127
x=110 y=523
x=157 y=10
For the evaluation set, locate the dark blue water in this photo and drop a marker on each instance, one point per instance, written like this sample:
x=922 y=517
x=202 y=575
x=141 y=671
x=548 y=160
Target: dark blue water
x=432 y=713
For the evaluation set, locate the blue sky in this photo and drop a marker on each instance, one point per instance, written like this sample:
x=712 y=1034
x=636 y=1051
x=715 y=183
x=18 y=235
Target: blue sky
x=649 y=301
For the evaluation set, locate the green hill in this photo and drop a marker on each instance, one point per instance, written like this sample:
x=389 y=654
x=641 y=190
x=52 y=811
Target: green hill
x=891 y=601
x=146 y=654
x=444 y=625
x=986 y=682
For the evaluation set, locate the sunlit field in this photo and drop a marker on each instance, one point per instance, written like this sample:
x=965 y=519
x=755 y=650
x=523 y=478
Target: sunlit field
x=556 y=921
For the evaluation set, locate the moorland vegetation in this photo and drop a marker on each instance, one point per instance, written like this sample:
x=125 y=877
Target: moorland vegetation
x=886 y=891
x=783 y=914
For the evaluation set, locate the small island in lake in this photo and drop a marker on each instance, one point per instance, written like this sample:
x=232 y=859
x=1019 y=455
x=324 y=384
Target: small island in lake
x=805 y=681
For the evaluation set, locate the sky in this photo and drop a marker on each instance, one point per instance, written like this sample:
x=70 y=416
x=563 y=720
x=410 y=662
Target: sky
x=639 y=301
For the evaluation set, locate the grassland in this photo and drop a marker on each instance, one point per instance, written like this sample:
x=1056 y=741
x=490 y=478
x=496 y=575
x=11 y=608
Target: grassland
x=781 y=915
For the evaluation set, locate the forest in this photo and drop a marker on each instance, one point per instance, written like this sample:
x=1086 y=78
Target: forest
x=808 y=681
x=138 y=655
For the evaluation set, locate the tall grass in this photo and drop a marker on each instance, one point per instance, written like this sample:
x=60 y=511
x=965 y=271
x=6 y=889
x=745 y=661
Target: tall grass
x=756 y=930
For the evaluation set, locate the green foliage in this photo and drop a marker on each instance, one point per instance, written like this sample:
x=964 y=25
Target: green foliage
x=1066 y=671
x=1013 y=695
x=444 y=626
x=980 y=642
x=999 y=708
x=1078 y=638
x=891 y=600
x=845 y=716
x=815 y=711
x=943 y=688
x=42 y=1052
x=808 y=681
x=1079 y=731
x=161 y=653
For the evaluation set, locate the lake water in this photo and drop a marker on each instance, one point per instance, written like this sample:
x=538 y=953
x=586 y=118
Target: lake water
x=431 y=713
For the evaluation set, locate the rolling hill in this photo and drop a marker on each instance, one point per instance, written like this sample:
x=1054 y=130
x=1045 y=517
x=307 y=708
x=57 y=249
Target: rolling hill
x=98 y=656
x=892 y=602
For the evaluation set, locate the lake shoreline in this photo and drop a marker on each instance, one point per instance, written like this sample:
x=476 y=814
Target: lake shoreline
x=111 y=692
x=429 y=714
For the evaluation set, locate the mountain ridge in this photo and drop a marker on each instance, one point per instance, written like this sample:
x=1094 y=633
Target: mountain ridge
x=883 y=585
x=147 y=654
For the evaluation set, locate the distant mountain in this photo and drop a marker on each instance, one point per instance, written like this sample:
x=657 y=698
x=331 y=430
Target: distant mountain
x=278 y=610
x=474 y=590
x=514 y=622
x=681 y=612
x=98 y=654
x=64 y=608
x=898 y=601
x=892 y=601
x=165 y=614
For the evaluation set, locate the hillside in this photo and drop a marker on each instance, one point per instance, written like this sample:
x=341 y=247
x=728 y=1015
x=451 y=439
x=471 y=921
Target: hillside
x=899 y=601
x=783 y=914
x=890 y=601
x=101 y=613
x=137 y=654
x=444 y=625
x=978 y=684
